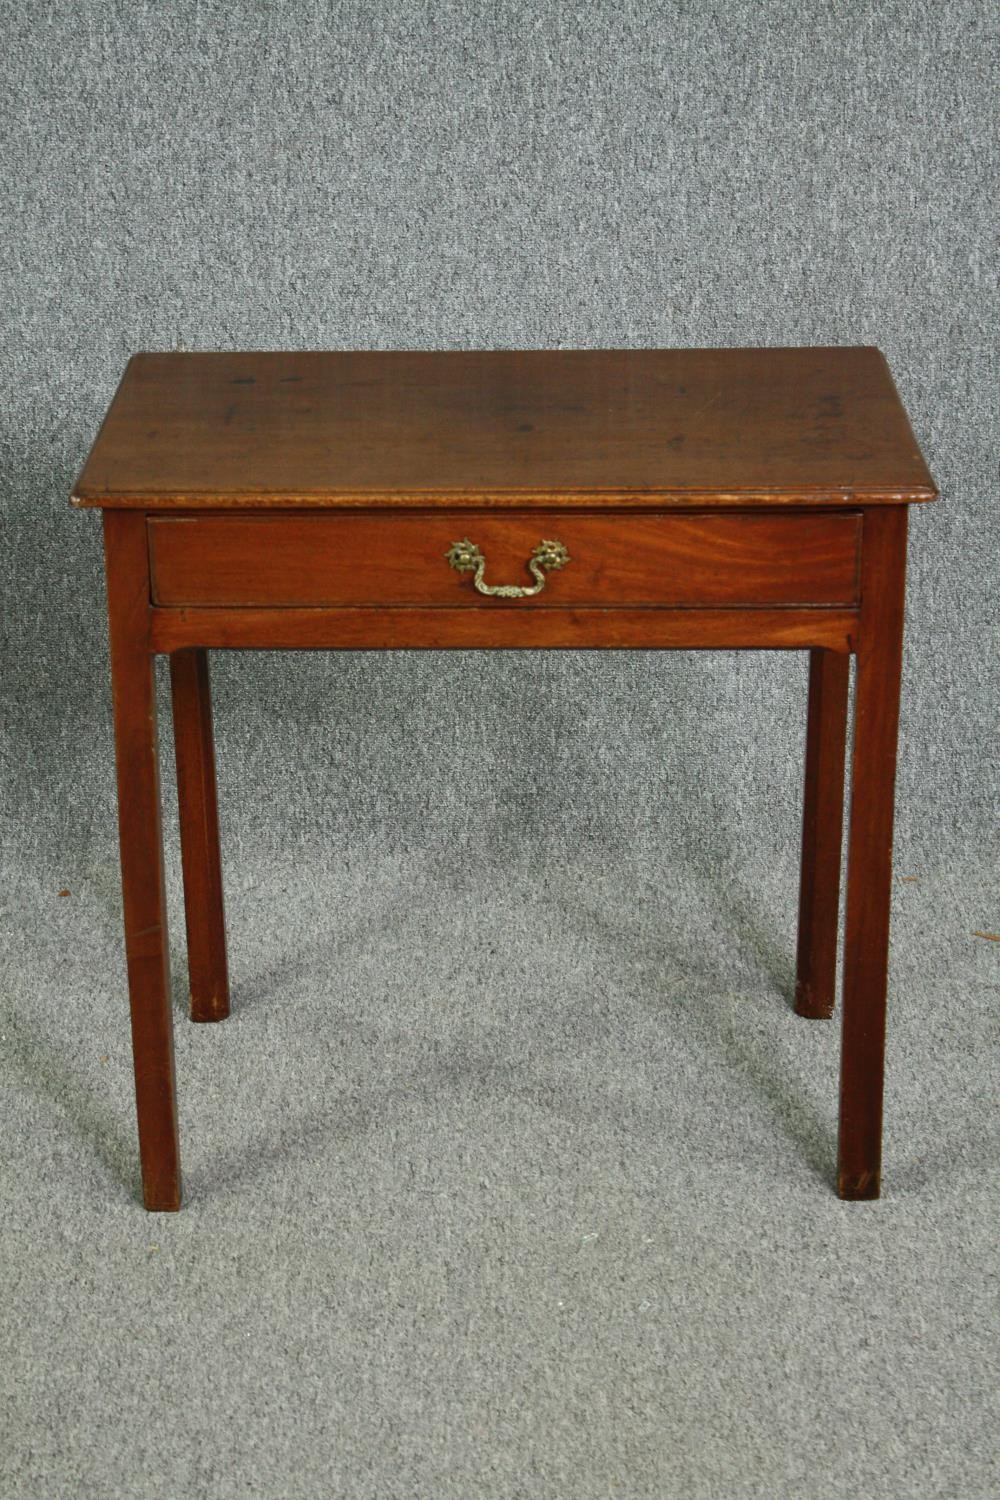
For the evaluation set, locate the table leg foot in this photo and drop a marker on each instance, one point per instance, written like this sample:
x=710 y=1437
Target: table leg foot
x=205 y=1009
x=859 y=1187
x=162 y=1198
x=810 y=1006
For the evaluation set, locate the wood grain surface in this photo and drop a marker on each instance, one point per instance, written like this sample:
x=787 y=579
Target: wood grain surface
x=517 y=427
x=418 y=628
x=286 y=558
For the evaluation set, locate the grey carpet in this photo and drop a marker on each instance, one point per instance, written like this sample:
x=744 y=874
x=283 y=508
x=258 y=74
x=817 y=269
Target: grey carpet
x=510 y=1174
x=507 y=1176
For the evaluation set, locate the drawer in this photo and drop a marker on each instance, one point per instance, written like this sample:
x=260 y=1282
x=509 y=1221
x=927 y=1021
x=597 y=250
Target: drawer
x=327 y=559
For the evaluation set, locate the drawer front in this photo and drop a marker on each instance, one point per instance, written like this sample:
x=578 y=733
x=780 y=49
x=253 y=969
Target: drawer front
x=629 y=559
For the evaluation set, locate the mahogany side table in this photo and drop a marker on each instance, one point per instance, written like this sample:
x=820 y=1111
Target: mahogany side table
x=602 y=499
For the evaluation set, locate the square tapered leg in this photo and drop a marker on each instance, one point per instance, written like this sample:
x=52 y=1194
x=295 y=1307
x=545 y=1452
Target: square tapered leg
x=869 y=860
x=141 y=844
x=822 y=832
x=199 y=824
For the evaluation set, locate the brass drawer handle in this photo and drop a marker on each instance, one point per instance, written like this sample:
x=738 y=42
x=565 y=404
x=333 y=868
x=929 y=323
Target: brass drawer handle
x=465 y=556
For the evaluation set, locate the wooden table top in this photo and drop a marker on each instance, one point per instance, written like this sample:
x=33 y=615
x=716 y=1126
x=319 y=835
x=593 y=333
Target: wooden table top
x=635 y=427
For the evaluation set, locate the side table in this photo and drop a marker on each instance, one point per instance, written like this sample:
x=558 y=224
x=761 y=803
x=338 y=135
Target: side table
x=728 y=498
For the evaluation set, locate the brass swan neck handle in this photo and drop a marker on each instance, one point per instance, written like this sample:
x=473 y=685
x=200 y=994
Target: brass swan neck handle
x=465 y=557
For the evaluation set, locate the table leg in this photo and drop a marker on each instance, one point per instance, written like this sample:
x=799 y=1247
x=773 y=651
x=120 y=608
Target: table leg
x=140 y=838
x=869 y=858
x=822 y=832
x=199 y=820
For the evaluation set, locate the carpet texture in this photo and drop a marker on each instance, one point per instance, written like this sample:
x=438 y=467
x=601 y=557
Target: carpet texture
x=511 y=1172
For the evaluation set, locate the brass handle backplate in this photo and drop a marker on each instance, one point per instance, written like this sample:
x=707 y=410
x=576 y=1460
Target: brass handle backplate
x=465 y=557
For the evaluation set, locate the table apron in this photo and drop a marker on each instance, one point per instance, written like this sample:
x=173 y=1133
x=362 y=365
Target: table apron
x=488 y=628
x=664 y=561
